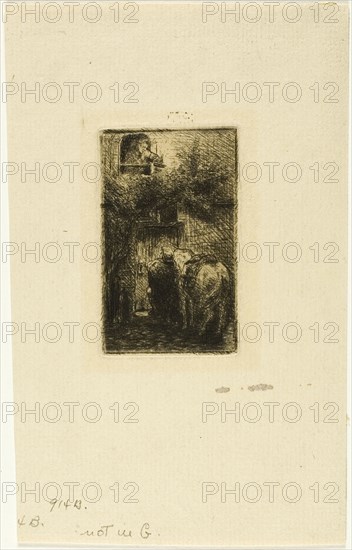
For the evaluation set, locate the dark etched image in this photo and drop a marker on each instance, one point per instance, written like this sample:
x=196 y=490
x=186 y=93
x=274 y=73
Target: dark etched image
x=169 y=221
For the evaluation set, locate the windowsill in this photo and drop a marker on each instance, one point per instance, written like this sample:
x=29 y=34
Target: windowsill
x=155 y=223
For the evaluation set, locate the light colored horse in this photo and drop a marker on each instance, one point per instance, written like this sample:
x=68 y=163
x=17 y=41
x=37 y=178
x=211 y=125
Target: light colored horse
x=204 y=293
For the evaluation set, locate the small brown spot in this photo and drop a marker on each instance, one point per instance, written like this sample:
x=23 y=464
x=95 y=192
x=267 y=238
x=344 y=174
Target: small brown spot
x=222 y=390
x=261 y=387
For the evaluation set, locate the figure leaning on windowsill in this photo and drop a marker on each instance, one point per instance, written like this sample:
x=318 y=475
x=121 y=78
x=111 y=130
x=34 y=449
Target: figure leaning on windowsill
x=139 y=158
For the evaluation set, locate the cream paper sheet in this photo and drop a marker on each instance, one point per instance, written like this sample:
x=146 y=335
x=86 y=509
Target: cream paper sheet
x=238 y=449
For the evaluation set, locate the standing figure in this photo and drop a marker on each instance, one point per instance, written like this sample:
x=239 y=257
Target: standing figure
x=164 y=292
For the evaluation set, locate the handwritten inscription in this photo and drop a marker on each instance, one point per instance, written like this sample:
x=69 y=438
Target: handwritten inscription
x=105 y=530
x=33 y=521
x=56 y=504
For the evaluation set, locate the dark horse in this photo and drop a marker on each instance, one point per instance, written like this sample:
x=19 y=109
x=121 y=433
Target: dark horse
x=192 y=290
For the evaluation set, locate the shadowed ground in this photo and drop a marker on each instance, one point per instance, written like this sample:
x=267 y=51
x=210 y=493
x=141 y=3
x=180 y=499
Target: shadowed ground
x=146 y=334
